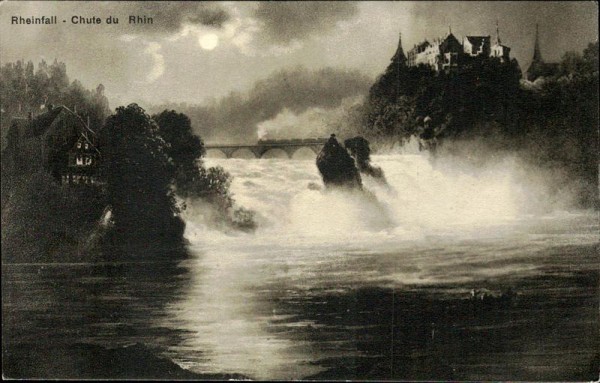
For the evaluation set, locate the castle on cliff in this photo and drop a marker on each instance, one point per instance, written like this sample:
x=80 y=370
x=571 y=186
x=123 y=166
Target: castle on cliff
x=447 y=53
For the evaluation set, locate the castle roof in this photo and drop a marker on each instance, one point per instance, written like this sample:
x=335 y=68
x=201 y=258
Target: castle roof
x=421 y=46
x=400 y=56
x=537 y=53
x=477 y=40
x=449 y=42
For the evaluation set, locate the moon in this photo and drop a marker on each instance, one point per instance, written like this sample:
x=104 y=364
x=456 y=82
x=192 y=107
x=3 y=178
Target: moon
x=209 y=41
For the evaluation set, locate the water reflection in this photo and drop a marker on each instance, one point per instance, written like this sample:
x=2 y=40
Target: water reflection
x=226 y=317
x=272 y=314
x=113 y=304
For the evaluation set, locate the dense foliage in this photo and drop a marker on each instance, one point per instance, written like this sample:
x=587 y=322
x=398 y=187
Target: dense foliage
x=479 y=90
x=24 y=89
x=43 y=221
x=192 y=179
x=138 y=178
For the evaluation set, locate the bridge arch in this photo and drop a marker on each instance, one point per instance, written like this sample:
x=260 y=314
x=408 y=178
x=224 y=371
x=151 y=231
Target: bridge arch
x=275 y=153
x=304 y=153
x=243 y=153
x=216 y=153
x=294 y=148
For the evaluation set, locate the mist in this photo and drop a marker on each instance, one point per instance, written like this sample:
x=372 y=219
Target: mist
x=281 y=104
x=458 y=192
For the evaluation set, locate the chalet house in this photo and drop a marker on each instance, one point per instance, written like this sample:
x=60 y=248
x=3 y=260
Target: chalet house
x=61 y=141
x=83 y=161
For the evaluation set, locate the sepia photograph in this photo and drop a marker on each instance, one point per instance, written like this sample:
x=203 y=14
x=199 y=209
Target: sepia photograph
x=300 y=190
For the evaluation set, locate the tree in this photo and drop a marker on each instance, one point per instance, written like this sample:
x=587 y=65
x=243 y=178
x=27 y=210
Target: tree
x=571 y=63
x=192 y=180
x=139 y=177
x=183 y=147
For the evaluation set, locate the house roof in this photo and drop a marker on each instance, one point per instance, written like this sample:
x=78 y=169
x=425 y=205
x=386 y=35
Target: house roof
x=19 y=123
x=41 y=123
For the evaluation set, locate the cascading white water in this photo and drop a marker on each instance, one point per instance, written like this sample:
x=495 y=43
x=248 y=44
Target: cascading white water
x=420 y=199
x=432 y=223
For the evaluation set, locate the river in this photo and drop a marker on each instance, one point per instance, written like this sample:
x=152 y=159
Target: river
x=348 y=285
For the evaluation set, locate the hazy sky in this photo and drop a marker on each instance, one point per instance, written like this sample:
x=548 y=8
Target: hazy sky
x=197 y=51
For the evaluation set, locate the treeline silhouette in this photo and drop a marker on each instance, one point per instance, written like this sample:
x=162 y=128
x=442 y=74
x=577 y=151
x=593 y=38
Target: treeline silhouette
x=23 y=89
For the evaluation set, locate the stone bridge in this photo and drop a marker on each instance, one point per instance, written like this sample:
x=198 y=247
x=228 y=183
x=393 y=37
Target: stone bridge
x=264 y=146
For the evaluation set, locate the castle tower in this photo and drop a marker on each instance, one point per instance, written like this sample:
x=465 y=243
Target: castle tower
x=538 y=67
x=537 y=54
x=498 y=50
x=400 y=56
x=498 y=42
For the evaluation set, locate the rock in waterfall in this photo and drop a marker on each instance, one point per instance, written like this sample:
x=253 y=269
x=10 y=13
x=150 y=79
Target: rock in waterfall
x=360 y=151
x=337 y=167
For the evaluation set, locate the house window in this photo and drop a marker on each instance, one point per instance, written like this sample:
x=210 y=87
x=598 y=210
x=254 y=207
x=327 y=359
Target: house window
x=79 y=160
x=79 y=145
x=86 y=145
x=88 y=160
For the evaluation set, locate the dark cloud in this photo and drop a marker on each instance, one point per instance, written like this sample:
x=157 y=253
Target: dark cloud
x=235 y=118
x=211 y=17
x=171 y=16
x=285 y=22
